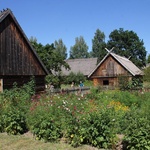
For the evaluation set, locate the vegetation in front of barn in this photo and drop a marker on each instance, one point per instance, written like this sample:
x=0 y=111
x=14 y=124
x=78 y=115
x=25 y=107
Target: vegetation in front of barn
x=96 y=119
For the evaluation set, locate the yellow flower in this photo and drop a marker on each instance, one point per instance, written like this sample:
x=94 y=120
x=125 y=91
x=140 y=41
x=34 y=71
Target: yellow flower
x=72 y=136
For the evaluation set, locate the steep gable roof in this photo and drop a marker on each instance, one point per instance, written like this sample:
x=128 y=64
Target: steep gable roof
x=126 y=63
x=4 y=14
x=84 y=66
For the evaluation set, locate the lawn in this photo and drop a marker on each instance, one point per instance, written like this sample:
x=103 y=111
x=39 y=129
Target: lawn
x=28 y=142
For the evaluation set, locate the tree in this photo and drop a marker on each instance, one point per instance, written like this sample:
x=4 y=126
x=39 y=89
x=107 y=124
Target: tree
x=128 y=44
x=61 y=48
x=80 y=49
x=148 y=59
x=51 y=59
x=147 y=74
x=98 y=45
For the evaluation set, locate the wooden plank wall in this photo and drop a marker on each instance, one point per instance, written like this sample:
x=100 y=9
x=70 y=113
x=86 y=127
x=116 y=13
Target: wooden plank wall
x=110 y=68
x=8 y=81
x=16 y=56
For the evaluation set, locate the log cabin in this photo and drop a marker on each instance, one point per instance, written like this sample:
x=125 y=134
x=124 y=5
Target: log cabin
x=111 y=67
x=18 y=60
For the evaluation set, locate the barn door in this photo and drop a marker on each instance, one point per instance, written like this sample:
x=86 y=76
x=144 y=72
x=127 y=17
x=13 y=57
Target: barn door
x=1 y=85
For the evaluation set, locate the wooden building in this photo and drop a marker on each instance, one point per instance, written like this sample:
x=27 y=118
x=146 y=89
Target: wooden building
x=18 y=60
x=108 y=71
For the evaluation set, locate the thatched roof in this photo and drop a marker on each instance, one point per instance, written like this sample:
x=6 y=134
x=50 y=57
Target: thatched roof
x=84 y=65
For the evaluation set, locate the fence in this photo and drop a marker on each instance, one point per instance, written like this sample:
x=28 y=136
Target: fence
x=69 y=90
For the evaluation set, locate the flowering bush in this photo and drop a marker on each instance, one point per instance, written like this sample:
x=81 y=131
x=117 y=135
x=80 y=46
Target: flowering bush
x=94 y=119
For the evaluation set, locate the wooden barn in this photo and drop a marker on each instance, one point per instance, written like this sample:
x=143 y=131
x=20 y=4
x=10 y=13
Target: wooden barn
x=18 y=60
x=112 y=66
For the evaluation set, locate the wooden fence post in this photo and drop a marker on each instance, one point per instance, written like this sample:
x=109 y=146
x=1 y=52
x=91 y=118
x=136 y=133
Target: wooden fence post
x=1 y=85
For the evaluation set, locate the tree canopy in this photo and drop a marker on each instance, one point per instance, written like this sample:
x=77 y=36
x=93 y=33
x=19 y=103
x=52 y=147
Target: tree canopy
x=148 y=59
x=128 y=44
x=80 y=49
x=51 y=59
x=49 y=55
x=98 y=45
x=61 y=48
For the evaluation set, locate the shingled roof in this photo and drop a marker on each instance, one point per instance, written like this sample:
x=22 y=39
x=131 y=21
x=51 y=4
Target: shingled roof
x=126 y=63
x=84 y=66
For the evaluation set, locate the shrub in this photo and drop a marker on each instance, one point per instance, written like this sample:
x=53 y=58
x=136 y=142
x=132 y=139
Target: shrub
x=75 y=77
x=14 y=104
x=92 y=119
x=127 y=98
x=126 y=84
x=137 y=133
x=44 y=121
x=47 y=129
x=147 y=74
x=95 y=128
x=14 y=122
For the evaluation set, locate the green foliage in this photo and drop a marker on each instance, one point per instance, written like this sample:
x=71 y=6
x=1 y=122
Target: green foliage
x=75 y=77
x=47 y=128
x=53 y=58
x=50 y=56
x=54 y=80
x=148 y=59
x=137 y=133
x=80 y=49
x=94 y=119
x=14 y=105
x=61 y=48
x=127 y=98
x=126 y=84
x=128 y=44
x=14 y=122
x=147 y=74
x=98 y=45
x=96 y=129
x=18 y=97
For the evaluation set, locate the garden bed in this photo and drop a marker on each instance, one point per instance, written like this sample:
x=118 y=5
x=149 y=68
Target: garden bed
x=95 y=119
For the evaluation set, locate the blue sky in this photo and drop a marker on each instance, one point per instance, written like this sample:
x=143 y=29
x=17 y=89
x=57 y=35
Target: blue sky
x=50 y=20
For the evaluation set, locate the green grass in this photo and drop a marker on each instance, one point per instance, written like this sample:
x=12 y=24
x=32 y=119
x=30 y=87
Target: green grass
x=28 y=142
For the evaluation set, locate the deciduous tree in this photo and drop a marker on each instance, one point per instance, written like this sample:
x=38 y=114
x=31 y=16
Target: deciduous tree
x=148 y=59
x=52 y=59
x=128 y=44
x=98 y=45
x=80 y=49
x=61 y=48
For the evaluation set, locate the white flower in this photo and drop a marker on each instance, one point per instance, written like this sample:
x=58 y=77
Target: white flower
x=113 y=120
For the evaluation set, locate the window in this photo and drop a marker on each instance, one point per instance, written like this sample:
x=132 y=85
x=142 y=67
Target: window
x=105 y=82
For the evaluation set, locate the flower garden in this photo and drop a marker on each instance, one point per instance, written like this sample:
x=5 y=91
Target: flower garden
x=97 y=118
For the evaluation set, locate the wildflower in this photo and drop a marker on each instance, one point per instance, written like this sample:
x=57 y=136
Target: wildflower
x=113 y=120
x=72 y=136
x=75 y=107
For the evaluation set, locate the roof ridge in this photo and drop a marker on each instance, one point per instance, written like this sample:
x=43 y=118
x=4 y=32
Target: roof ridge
x=123 y=57
x=125 y=65
x=80 y=59
x=4 y=12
